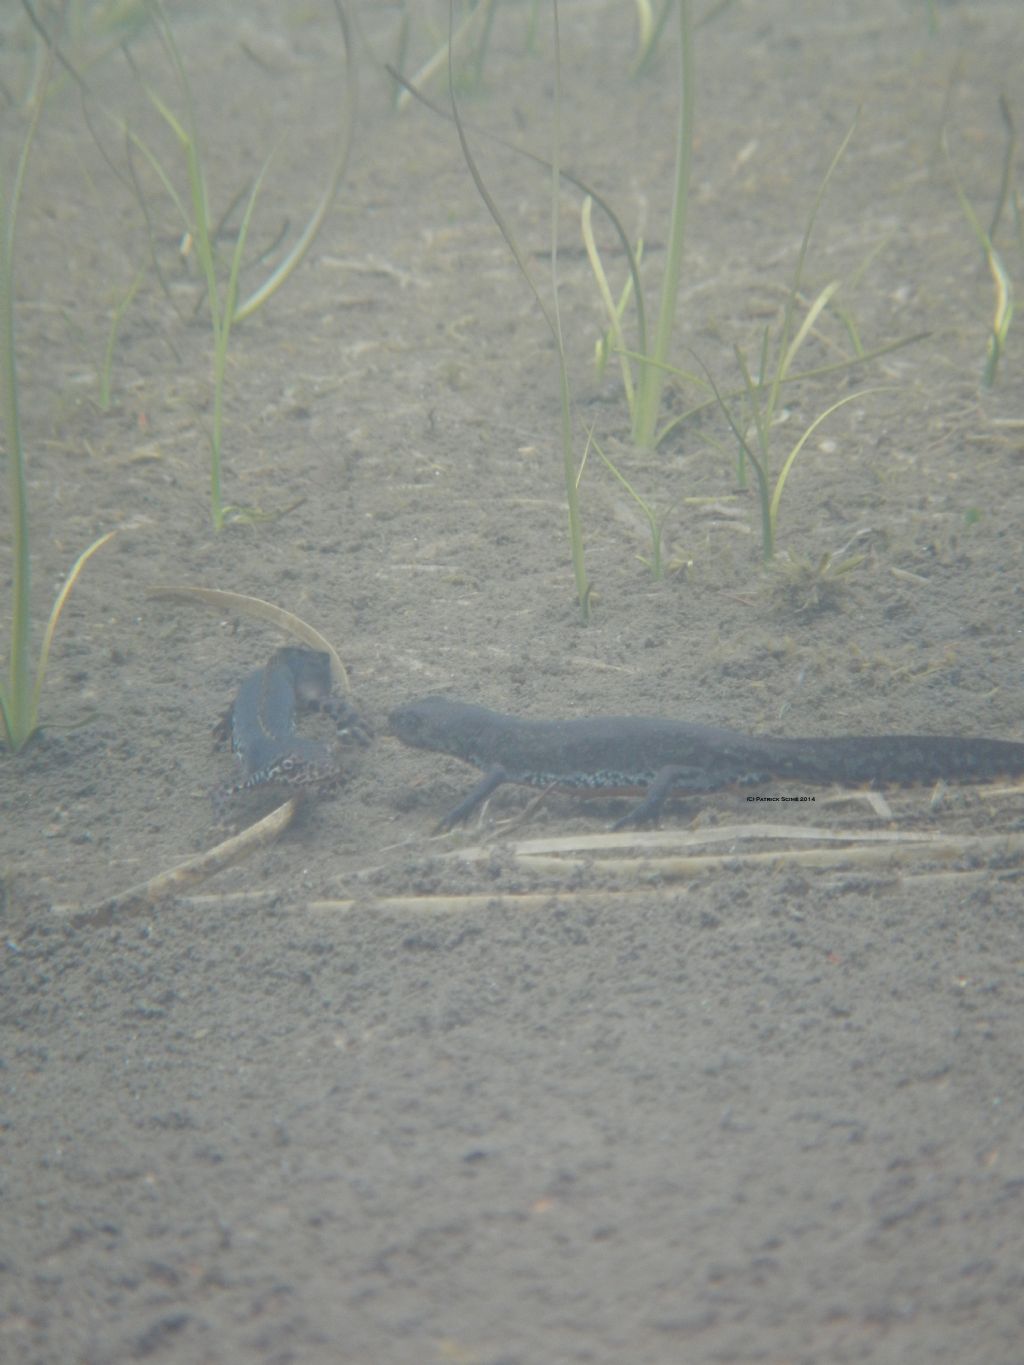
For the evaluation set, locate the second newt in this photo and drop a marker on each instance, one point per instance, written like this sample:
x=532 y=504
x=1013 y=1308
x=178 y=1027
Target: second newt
x=616 y=755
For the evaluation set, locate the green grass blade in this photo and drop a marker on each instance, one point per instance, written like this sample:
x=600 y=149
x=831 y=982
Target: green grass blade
x=498 y=216
x=1003 y=314
x=645 y=31
x=849 y=323
x=230 y=315
x=569 y=178
x=55 y=615
x=780 y=482
x=16 y=692
x=1006 y=175
x=187 y=132
x=831 y=367
x=147 y=217
x=652 y=377
x=571 y=489
x=655 y=562
x=343 y=149
x=167 y=114
x=647 y=44
x=551 y=317
x=120 y=309
x=133 y=140
x=7 y=722
x=222 y=335
x=613 y=310
x=689 y=375
x=15 y=697
x=443 y=56
x=759 y=469
x=813 y=313
x=787 y=317
x=754 y=394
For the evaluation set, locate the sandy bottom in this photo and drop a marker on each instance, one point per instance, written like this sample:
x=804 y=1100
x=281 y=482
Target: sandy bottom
x=365 y=1098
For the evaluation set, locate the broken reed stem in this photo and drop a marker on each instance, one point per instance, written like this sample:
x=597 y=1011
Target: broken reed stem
x=854 y=848
x=172 y=882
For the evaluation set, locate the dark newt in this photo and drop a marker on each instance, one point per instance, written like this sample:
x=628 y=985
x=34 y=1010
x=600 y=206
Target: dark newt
x=260 y=723
x=616 y=755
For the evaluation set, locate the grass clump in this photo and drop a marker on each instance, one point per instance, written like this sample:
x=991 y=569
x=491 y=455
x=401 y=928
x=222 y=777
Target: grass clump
x=813 y=584
x=643 y=389
x=222 y=284
x=655 y=517
x=761 y=393
x=760 y=388
x=1001 y=280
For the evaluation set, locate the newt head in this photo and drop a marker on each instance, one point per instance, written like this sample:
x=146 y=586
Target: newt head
x=441 y=724
x=310 y=671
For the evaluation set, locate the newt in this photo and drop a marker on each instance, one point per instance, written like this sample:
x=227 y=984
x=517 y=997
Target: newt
x=619 y=755
x=260 y=724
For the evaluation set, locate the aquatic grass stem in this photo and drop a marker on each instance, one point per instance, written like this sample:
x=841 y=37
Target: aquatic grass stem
x=655 y=522
x=762 y=394
x=1002 y=283
x=15 y=696
x=480 y=16
x=221 y=308
x=816 y=372
x=633 y=286
x=769 y=495
x=21 y=692
x=613 y=338
x=568 y=462
x=786 y=349
x=652 y=376
x=120 y=309
x=225 y=309
x=551 y=316
x=342 y=151
x=221 y=321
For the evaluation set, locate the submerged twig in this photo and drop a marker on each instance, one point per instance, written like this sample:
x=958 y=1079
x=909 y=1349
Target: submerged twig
x=173 y=881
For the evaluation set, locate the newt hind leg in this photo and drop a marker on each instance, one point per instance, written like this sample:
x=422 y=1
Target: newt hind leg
x=675 y=777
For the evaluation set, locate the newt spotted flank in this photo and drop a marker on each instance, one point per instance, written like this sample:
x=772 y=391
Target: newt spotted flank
x=260 y=724
x=618 y=755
